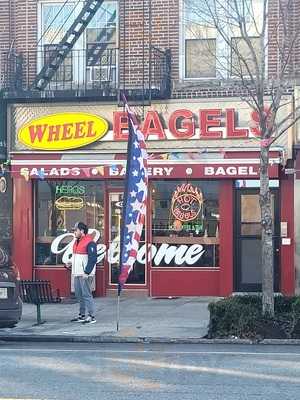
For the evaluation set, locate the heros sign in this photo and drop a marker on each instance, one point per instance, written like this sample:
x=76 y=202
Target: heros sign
x=165 y=254
x=69 y=203
x=68 y=197
x=62 y=131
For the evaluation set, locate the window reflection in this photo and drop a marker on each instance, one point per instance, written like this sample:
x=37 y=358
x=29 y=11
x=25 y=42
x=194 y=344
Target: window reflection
x=137 y=274
x=59 y=205
x=185 y=208
x=251 y=214
x=185 y=215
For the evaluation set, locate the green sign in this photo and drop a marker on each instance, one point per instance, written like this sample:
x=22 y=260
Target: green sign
x=69 y=190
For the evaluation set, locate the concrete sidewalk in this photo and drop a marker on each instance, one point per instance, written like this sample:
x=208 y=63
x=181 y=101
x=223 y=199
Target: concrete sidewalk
x=141 y=318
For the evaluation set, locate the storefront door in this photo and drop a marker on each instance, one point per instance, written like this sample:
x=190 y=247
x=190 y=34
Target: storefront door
x=248 y=271
x=137 y=277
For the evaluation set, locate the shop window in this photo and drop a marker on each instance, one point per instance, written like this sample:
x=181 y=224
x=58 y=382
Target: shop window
x=59 y=205
x=6 y=212
x=185 y=224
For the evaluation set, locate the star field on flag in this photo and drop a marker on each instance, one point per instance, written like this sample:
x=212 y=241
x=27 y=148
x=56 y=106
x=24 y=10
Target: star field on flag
x=135 y=198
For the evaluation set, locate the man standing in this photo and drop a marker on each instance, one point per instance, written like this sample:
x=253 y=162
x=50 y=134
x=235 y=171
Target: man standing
x=84 y=261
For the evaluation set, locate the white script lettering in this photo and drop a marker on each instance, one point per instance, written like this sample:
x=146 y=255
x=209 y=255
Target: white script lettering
x=164 y=254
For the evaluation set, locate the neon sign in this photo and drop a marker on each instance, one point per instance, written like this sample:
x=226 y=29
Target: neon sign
x=186 y=203
x=69 y=190
x=69 y=203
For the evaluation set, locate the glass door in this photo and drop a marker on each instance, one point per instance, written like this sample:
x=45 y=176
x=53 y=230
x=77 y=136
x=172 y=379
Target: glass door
x=248 y=270
x=137 y=276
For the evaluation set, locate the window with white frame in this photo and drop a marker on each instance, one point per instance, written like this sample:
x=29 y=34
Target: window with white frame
x=94 y=55
x=101 y=43
x=54 y=22
x=212 y=42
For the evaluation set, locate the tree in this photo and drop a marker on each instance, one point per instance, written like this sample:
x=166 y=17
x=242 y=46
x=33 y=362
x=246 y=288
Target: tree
x=239 y=37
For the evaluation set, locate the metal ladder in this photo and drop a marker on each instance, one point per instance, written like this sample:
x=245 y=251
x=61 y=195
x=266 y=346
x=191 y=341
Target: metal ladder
x=66 y=44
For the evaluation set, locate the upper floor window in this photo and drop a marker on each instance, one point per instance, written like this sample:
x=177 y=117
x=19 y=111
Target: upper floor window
x=55 y=20
x=213 y=42
x=93 y=59
x=101 y=43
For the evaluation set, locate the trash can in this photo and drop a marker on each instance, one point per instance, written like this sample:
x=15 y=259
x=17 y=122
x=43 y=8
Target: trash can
x=10 y=301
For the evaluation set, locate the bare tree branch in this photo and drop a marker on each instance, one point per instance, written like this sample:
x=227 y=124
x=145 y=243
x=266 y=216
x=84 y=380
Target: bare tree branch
x=291 y=124
x=244 y=37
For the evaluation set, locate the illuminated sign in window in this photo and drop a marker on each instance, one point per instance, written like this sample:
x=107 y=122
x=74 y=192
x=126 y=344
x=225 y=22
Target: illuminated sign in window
x=69 y=190
x=186 y=203
x=69 y=203
x=68 y=197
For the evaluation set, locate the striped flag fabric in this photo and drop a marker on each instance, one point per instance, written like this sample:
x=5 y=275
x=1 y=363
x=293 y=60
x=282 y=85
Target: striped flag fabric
x=135 y=199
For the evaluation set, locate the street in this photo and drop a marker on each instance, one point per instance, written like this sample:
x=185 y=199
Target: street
x=148 y=372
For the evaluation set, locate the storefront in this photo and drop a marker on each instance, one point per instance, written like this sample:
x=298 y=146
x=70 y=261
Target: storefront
x=202 y=231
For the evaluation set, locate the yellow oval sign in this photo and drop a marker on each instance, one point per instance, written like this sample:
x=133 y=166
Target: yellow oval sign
x=63 y=131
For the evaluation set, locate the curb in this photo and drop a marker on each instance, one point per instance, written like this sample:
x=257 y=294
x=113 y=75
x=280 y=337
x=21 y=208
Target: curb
x=142 y=339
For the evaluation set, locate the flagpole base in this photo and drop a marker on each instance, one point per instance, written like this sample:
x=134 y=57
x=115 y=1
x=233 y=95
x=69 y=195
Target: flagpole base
x=118 y=312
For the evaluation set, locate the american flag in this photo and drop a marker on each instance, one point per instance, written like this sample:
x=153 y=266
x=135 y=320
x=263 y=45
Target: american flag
x=135 y=198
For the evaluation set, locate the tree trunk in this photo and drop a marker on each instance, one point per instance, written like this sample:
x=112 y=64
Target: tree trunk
x=267 y=259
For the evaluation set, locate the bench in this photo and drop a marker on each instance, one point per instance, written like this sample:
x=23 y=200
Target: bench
x=38 y=292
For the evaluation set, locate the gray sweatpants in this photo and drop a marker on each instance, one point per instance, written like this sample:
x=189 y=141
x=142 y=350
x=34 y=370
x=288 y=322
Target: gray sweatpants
x=83 y=293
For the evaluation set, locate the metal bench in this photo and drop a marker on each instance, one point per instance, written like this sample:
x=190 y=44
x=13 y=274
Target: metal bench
x=38 y=292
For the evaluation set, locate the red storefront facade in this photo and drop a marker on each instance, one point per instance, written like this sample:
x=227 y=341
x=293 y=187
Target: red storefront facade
x=206 y=155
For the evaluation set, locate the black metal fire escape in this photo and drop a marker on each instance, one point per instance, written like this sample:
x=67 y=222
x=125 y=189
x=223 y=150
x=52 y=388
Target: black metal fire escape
x=107 y=71
x=66 y=44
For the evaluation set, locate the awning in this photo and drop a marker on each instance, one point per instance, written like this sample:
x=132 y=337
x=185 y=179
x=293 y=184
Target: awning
x=158 y=169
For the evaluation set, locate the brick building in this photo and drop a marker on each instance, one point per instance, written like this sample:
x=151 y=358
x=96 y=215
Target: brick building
x=62 y=70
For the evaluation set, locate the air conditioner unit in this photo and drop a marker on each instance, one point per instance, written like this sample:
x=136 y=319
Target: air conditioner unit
x=98 y=74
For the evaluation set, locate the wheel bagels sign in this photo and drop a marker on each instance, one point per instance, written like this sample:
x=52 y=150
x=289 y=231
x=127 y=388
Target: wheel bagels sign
x=70 y=130
x=62 y=131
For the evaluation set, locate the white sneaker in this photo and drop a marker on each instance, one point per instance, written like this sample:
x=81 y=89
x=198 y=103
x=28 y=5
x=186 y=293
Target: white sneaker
x=89 y=320
x=80 y=318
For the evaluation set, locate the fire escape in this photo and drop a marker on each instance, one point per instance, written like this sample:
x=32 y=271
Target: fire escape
x=99 y=71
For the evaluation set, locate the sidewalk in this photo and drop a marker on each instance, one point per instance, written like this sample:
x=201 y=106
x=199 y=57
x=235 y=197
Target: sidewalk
x=141 y=319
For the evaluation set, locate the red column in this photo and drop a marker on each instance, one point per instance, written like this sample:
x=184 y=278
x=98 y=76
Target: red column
x=22 y=249
x=287 y=268
x=226 y=238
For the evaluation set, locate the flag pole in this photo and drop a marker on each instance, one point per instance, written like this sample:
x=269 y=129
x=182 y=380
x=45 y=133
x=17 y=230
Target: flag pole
x=123 y=216
x=135 y=193
x=118 y=309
